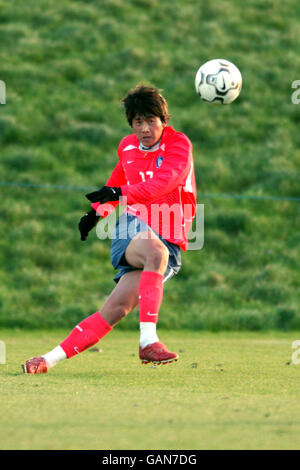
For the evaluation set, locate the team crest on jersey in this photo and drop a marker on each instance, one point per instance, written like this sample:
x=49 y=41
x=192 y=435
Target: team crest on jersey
x=159 y=161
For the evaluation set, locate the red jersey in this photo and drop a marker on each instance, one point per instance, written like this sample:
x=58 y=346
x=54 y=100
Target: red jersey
x=158 y=184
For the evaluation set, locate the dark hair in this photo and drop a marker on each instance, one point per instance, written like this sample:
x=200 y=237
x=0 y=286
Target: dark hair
x=145 y=100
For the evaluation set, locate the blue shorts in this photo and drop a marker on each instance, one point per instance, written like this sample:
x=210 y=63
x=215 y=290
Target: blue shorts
x=127 y=227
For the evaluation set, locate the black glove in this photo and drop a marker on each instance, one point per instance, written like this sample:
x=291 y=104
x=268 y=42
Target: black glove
x=104 y=194
x=87 y=222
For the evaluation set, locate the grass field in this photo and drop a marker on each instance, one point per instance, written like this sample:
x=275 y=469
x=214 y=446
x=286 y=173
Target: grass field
x=228 y=391
x=66 y=67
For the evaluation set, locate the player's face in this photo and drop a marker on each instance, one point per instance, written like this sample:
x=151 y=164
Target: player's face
x=148 y=129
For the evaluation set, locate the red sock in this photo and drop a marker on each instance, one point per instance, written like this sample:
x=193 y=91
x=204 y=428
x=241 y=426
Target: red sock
x=85 y=334
x=150 y=295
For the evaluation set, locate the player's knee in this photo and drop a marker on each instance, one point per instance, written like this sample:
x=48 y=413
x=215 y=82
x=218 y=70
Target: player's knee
x=158 y=258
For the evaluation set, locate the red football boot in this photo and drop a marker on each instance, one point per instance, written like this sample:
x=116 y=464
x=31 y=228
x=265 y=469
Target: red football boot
x=35 y=365
x=157 y=353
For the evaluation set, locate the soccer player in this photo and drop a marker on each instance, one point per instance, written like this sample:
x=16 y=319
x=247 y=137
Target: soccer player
x=154 y=179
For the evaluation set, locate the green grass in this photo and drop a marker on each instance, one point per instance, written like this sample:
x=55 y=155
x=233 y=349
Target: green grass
x=66 y=67
x=228 y=391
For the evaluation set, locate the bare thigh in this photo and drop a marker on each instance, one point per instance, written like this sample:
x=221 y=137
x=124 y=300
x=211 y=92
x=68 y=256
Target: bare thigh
x=146 y=251
x=123 y=299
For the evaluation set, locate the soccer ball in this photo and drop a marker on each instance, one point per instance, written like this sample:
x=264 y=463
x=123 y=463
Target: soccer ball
x=218 y=81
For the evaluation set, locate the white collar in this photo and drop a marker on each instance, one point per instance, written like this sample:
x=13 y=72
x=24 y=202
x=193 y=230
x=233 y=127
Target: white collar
x=153 y=148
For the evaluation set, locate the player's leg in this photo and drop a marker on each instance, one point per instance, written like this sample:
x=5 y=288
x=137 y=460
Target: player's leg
x=122 y=300
x=146 y=251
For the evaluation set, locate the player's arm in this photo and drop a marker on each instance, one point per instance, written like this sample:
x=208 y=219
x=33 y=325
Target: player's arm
x=90 y=219
x=110 y=191
x=172 y=172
